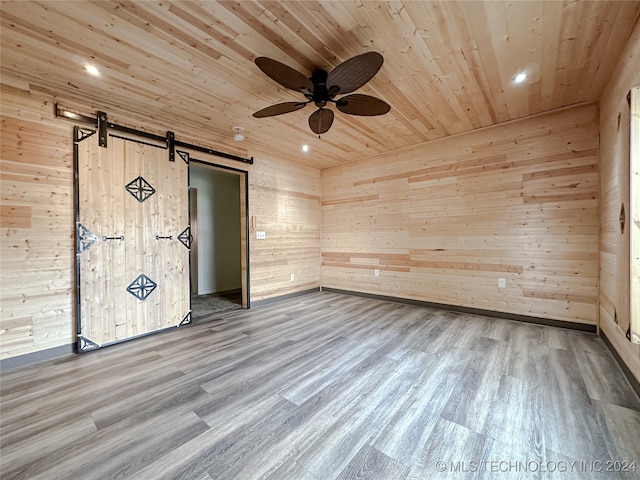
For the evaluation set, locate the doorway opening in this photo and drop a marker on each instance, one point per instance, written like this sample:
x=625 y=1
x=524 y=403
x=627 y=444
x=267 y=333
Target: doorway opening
x=218 y=210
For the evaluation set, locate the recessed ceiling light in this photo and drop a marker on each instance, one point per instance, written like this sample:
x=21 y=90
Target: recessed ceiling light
x=305 y=148
x=521 y=77
x=92 y=70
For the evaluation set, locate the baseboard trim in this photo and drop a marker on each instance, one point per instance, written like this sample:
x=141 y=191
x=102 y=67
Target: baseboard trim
x=40 y=356
x=631 y=378
x=582 y=327
x=267 y=301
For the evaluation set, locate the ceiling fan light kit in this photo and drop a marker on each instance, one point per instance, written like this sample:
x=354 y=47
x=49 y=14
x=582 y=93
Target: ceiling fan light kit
x=322 y=88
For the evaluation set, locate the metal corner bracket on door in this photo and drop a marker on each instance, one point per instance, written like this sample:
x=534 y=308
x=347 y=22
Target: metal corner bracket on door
x=184 y=156
x=186 y=320
x=82 y=133
x=84 y=238
x=84 y=344
x=185 y=237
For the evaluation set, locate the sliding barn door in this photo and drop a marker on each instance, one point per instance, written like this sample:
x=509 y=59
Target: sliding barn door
x=132 y=240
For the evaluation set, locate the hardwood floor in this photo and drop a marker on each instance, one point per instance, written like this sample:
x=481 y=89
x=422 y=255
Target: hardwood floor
x=327 y=386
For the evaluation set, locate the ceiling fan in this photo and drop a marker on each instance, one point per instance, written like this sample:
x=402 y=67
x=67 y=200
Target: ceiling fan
x=322 y=87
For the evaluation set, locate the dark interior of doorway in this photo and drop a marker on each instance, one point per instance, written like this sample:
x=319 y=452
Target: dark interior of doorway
x=215 y=211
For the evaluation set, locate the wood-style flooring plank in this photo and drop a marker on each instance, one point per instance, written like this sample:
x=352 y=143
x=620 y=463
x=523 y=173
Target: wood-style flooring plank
x=371 y=464
x=621 y=427
x=604 y=380
x=31 y=418
x=323 y=368
x=116 y=452
x=290 y=470
x=405 y=433
x=473 y=400
x=569 y=421
x=322 y=387
x=514 y=430
x=46 y=443
x=447 y=451
x=358 y=422
x=217 y=450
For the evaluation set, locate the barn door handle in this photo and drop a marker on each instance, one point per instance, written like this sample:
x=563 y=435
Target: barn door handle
x=158 y=237
x=105 y=238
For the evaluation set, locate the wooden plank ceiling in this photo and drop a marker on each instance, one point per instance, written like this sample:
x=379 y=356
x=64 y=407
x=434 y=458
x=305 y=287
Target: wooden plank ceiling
x=188 y=66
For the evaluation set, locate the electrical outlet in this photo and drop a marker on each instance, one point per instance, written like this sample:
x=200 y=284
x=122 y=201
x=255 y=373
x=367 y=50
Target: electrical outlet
x=376 y=272
x=261 y=235
x=293 y=277
x=502 y=283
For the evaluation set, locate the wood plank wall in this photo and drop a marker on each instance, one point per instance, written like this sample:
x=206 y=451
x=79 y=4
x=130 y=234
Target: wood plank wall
x=614 y=245
x=36 y=253
x=443 y=221
x=285 y=204
x=37 y=247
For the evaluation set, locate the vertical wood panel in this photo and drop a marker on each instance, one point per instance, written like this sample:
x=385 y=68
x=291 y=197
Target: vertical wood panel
x=285 y=204
x=614 y=255
x=15 y=216
x=36 y=248
x=94 y=178
x=443 y=221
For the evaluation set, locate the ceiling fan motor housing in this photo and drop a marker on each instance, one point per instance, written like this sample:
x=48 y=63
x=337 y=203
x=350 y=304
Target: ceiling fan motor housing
x=320 y=94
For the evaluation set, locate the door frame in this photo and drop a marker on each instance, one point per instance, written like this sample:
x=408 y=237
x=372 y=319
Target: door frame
x=193 y=222
x=244 y=223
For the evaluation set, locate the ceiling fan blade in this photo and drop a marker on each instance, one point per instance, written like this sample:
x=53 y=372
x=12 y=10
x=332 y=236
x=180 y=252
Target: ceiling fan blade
x=359 y=104
x=355 y=72
x=283 y=74
x=279 y=109
x=320 y=121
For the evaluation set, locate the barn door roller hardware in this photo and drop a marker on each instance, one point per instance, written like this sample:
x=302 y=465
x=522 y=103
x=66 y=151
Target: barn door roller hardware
x=102 y=124
x=171 y=145
x=102 y=129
